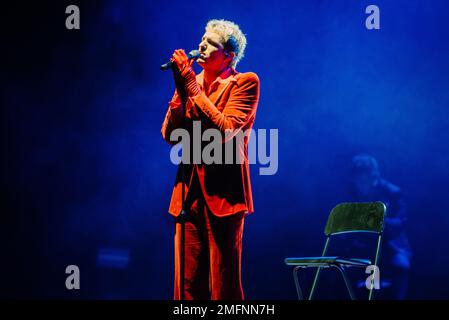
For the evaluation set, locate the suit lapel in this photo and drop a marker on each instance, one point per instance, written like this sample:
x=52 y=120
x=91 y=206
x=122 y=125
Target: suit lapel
x=216 y=94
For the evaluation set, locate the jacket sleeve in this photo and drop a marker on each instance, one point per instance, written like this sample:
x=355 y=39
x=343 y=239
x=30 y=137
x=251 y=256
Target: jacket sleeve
x=173 y=118
x=239 y=109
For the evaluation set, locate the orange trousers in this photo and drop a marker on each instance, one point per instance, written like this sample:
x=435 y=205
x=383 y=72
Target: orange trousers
x=213 y=251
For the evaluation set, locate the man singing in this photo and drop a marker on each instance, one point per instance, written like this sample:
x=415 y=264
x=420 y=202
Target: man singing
x=218 y=195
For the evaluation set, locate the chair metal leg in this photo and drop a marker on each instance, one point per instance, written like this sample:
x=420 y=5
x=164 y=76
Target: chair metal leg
x=315 y=283
x=317 y=274
x=298 y=288
x=376 y=263
x=347 y=282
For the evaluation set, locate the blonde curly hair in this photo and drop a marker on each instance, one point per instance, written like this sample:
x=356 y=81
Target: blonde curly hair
x=233 y=38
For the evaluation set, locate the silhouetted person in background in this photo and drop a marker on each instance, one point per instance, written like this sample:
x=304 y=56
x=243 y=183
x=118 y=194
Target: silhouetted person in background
x=368 y=185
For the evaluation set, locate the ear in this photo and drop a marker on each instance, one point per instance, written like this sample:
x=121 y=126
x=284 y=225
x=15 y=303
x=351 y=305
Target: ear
x=230 y=55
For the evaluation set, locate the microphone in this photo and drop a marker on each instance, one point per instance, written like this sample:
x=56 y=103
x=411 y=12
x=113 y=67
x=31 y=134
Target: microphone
x=194 y=54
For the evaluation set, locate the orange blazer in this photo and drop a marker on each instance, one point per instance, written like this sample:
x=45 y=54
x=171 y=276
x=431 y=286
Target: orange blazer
x=231 y=103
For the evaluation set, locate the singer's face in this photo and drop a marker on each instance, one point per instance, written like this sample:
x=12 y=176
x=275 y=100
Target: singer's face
x=213 y=55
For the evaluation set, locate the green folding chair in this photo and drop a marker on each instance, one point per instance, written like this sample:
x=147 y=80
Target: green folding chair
x=361 y=217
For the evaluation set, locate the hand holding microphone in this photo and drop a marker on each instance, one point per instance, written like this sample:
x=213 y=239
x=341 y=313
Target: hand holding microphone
x=194 y=54
x=185 y=77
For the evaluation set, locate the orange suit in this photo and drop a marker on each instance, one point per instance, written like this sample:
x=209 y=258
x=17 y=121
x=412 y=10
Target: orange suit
x=218 y=193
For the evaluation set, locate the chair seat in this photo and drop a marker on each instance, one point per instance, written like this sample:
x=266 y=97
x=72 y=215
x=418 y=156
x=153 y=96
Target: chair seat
x=326 y=261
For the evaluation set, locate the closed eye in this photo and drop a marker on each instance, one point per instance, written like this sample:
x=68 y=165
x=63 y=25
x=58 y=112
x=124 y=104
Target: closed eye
x=211 y=42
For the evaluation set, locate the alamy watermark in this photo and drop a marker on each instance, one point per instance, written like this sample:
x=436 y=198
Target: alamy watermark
x=73 y=20
x=226 y=149
x=372 y=22
x=73 y=280
x=373 y=280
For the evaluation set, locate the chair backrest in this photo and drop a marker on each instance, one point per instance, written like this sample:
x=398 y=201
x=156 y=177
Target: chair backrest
x=356 y=217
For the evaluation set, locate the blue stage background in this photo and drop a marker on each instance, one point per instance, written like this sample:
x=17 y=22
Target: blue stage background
x=85 y=168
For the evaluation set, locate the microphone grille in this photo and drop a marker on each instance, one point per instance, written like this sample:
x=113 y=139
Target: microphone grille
x=194 y=54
